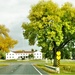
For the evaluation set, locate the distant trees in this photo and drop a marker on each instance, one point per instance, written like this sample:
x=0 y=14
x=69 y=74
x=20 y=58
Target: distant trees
x=2 y=55
x=32 y=50
x=6 y=42
x=30 y=56
x=73 y=53
x=52 y=26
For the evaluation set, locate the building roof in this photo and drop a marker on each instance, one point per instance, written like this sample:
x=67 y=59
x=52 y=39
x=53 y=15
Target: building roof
x=22 y=51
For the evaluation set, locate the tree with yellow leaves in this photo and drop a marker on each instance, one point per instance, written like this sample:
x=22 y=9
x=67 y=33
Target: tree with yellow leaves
x=6 y=42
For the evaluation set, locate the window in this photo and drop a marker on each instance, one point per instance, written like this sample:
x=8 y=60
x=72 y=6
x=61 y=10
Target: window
x=12 y=57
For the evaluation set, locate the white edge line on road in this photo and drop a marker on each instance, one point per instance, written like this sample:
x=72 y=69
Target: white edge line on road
x=37 y=70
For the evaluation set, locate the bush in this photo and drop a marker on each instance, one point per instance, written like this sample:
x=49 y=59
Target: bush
x=68 y=69
x=2 y=55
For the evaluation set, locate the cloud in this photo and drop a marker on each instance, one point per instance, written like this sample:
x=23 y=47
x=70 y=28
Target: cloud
x=61 y=2
x=12 y=10
x=12 y=14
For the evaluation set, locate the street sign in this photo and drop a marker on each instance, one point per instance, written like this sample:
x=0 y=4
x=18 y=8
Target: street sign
x=58 y=57
x=58 y=53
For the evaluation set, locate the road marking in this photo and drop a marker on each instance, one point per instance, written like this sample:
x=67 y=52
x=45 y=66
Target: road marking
x=37 y=70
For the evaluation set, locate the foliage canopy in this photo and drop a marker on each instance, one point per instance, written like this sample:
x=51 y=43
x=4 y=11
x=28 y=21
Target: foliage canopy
x=6 y=42
x=49 y=23
x=52 y=26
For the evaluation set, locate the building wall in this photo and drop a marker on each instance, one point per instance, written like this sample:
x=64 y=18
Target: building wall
x=12 y=55
x=37 y=55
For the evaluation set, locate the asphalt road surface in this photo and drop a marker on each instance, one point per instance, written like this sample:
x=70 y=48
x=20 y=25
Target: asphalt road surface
x=21 y=69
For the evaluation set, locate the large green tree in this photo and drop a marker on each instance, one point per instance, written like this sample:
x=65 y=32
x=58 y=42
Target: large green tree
x=52 y=26
x=68 y=50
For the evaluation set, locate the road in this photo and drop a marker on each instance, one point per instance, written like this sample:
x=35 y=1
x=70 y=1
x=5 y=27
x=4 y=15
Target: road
x=21 y=69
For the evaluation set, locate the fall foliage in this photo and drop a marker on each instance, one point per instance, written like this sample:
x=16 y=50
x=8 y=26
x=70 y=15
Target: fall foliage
x=6 y=42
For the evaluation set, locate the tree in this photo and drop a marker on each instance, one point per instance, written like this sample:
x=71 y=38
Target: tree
x=32 y=50
x=73 y=53
x=31 y=56
x=6 y=42
x=52 y=26
x=2 y=55
x=48 y=54
x=67 y=51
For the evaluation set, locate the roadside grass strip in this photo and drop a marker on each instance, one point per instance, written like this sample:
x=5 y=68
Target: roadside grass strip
x=4 y=65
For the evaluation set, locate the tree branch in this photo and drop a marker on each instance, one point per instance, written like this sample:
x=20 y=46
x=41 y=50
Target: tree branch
x=64 y=43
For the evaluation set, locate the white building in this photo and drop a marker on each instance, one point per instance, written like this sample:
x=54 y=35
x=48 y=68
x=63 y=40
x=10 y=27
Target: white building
x=23 y=55
x=37 y=55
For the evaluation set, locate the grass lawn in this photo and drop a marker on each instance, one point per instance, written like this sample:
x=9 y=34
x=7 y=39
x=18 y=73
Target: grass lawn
x=3 y=65
x=67 y=67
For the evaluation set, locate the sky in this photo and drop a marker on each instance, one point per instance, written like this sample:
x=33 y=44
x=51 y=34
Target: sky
x=13 y=13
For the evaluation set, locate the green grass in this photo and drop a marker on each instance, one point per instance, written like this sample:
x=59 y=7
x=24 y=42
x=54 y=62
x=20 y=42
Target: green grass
x=67 y=67
x=3 y=65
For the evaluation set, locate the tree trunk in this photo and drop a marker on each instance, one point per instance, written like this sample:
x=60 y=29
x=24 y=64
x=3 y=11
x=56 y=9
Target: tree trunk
x=54 y=56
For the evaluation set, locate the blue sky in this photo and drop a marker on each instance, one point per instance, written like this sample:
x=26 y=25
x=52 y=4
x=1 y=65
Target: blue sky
x=14 y=12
